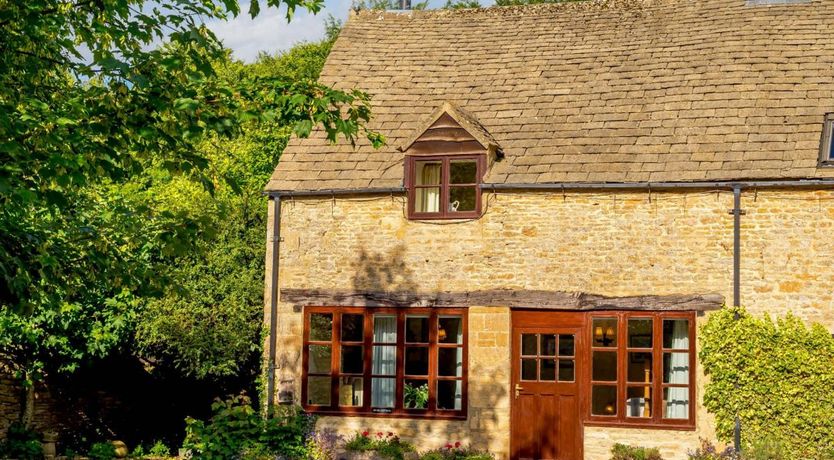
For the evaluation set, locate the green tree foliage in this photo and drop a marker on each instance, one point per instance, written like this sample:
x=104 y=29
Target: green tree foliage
x=530 y=2
x=461 y=4
x=386 y=5
x=778 y=377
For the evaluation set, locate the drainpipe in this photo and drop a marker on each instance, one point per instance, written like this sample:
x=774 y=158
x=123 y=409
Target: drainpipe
x=737 y=212
x=273 y=305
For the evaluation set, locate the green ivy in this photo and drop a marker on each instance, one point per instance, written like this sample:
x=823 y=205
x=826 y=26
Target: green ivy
x=776 y=376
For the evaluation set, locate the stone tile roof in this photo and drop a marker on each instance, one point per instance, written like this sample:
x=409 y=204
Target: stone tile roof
x=597 y=91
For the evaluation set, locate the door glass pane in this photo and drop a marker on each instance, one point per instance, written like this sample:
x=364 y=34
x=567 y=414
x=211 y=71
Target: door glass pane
x=529 y=345
x=604 y=400
x=528 y=369
x=676 y=403
x=321 y=327
x=462 y=199
x=639 y=402
x=676 y=334
x=318 y=391
x=384 y=360
x=605 y=332
x=548 y=345
x=318 y=359
x=463 y=172
x=416 y=394
x=427 y=172
x=450 y=329
x=417 y=361
x=566 y=370
x=639 y=367
x=350 y=391
x=676 y=368
x=385 y=329
x=450 y=362
x=449 y=394
x=640 y=333
x=383 y=391
x=605 y=366
x=427 y=199
x=566 y=345
x=352 y=359
x=352 y=328
x=417 y=329
x=547 y=369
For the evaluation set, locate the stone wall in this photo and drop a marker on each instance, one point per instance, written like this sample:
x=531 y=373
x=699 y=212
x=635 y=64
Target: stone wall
x=10 y=405
x=623 y=243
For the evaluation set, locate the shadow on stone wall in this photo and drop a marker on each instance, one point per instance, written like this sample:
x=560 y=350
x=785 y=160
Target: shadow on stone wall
x=388 y=272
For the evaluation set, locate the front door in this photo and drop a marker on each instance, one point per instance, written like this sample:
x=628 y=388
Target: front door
x=547 y=364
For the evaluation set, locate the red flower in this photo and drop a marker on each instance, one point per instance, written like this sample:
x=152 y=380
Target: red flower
x=379 y=434
x=457 y=444
x=365 y=433
x=448 y=445
x=390 y=434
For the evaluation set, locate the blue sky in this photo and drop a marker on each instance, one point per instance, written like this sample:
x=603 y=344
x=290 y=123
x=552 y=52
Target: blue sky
x=270 y=32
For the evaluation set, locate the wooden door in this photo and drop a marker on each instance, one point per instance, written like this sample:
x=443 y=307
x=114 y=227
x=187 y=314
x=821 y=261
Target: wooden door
x=547 y=367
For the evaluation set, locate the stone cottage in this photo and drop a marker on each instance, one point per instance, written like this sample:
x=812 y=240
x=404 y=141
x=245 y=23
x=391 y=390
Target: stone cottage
x=566 y=192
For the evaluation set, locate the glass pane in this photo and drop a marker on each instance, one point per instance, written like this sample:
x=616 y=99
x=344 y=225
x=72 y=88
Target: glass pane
x=676 y=403
x=547 y=369
x=463 y=172
x=352 y=328
x=831 y=143
x=318 y=361
x=528 y=345
x=427 y=172
x=604 y=400
x=450 y=362
x=462 y=199
x=449 y=394
x=352 y=359
x=383 y=392
x=427 y=199
x=385 y=360
x=528 y=369
x=416 y=394
x=639 y=402
x=450 y=329
x=676 y=368
x=566 y=345
x=385 y=329
x=318 y=391
x=321 y=327
x=640 y=333
x=676 y=334
x=350 y=391
x=417 y=329
x=605 y=332
x=548 y=347
x=416 y=361
x=566 y=370
x=605 y=366
x=639 y=367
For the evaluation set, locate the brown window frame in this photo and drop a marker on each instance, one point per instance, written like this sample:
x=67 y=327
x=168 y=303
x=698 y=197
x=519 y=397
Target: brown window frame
x=826 y=158
x=411 y=180
x=657 y=385
x=433 y=378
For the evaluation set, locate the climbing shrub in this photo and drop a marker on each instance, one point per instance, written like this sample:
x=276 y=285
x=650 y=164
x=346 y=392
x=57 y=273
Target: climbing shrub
x=777 y=376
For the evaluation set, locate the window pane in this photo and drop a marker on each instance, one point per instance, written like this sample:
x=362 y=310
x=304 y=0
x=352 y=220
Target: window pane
x=831 y=142
x=566 y=370
x=548 y=347
x=639 y=402
x=385 y=360
x=427 y=199
x=417 y=361
x=676 y=368
x=640 y=333
x=352 y=359
x=604 y=400
x=547 y=369
x=566 y=345
x=450 y=362
x=639 y=367
x=462 y=199
x=353 y=328
x=427 y=172
x=464 y=172
x=321 y=327
x=385 y=329
x=528 y=369
x=450 y=329
x=529 y=345
x=318 y=359
x=416 y=394
x=676 y=334
x=605 y=366
x=676 y=403
x=417 y=329
x=318 y=391
x=383 y=392
x=350 y=391
x=605 y=332
x=449 y=394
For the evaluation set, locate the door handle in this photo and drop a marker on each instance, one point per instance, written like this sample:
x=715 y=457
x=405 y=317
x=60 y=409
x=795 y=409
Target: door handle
x=517 y=390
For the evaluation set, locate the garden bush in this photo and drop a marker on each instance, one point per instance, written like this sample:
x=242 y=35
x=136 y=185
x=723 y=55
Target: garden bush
x=456 y=451
x=102 y=451
x=708 y=451
x=624 y=452
x=776 y=376
x=21 y=443
x=388 y=446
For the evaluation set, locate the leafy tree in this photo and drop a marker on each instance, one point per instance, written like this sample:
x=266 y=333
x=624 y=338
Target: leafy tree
x=461 y=4
x=530 y=2
x=387 y=5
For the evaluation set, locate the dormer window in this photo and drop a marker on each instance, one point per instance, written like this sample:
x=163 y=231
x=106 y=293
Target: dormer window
x=827 y=144
x=445 y=187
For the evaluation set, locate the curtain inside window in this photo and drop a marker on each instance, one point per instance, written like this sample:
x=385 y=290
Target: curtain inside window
x=677 y=399
x=428 y=199
x=384 y=361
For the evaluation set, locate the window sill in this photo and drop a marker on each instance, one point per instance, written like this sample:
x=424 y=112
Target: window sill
x=640 y=426
x=425 y=416
x=826 y=164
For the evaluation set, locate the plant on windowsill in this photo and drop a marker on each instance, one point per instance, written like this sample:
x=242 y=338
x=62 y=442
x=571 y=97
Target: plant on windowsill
x=365 y=446
x=416 y=397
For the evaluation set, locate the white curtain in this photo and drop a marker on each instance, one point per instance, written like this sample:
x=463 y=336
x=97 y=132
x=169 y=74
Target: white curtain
x=677 y=398
x=383 y=390
x=428 y=199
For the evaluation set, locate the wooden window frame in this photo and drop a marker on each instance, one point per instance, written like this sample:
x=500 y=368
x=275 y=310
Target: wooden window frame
x=399 y=411
x=826 y=158
x=411 y=180
x=657 y=385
